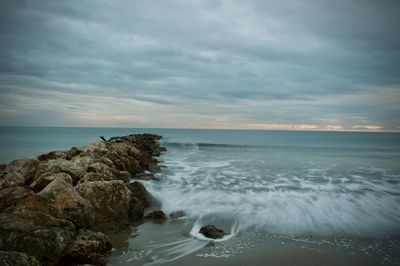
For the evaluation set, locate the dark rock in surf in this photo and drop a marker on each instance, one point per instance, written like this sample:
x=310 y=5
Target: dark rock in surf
x=211 y=231
x=177 y=214
x=158 y=216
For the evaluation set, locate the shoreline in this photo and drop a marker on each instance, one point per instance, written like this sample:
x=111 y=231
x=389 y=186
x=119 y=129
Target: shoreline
x=57 y=209
x=169 y=244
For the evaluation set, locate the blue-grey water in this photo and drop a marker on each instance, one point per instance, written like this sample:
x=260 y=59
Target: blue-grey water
x=290 y=184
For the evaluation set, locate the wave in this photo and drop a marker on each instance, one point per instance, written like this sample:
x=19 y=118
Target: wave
x=206 y=145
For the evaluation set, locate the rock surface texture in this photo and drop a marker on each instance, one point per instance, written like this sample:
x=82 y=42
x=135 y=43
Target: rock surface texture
x=57 y=209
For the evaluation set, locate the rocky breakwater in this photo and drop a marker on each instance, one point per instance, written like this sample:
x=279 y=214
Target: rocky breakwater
x=54 y=210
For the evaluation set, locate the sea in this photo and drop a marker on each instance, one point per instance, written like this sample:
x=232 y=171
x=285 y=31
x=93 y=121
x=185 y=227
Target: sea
x=334 y=193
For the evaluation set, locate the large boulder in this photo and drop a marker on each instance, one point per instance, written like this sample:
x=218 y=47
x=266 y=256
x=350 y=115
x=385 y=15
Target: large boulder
x=125 y=157
x=22 y=198
x=88 y=247
x=136 y=209
x=94 y=150
x=110 y=200
x=35 y=233
x=140 y=192
x=13 y=258
x=211 y=231
x=108 y=172
x=18 y=172
x=70 y=204
x=73 y=167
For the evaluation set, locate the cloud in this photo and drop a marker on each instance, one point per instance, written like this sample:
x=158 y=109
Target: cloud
x=231 y=64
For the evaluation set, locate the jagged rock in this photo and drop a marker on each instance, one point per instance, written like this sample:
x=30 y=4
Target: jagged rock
x=52 y=156
x=18 y=172
x=154 y=167
x=145 y=160
x=140 y=192
x=35 y=233
x=87 y=247
x=21 y=198
x=107 y=172
x=13 y=258
x=42 y=181
x=211 y=231
x=2 y=167
x=94 y=150
x=70 y=204
x=90 y=177
x=158 y=150
x=74 y=151
x=110 y=200
x=41 y=211
x=74 y=168
x=136 y=209
x=158 y=215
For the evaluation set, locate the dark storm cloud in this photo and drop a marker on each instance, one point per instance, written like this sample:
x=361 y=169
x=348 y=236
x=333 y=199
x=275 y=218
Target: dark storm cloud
x=200 y=63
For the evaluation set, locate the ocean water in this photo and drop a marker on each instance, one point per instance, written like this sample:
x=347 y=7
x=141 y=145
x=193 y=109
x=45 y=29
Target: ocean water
x=336 y=189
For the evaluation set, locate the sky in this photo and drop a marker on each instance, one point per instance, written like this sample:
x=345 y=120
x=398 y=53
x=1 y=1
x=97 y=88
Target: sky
x=254 y=64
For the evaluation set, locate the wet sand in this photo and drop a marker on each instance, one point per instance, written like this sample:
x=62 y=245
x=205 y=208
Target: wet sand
x=170 y=244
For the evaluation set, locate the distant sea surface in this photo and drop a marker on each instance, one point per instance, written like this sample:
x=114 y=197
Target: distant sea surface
x=289 y=184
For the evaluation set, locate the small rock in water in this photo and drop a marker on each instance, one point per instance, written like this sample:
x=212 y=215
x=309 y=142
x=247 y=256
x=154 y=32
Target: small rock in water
x=157 y=215
x=211 y=231
x=177 y=214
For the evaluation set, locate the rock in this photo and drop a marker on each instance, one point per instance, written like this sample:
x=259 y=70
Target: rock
x=44 y=216
x=94 y=150
x=42 y=181
x=211 y=231
x=145 y=176
x=21 y=198
x=107 y=172
x=52 y=156
x=88 y=247
x=89 y=177
x=13 y=258
x=157 y=215
x=140 y=192
x=74 y=168
x=110 y=200
x=74 y=151
x=70 y=204
x=177 y=214
x=18 y=172
x=153 y=167
x=35 y=233
x=145 y=160
x=136 y=209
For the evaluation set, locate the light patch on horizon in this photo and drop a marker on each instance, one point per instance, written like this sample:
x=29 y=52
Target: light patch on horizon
x=212 y=64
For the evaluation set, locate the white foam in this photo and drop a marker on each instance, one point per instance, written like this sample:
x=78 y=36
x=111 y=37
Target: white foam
x=307 y=199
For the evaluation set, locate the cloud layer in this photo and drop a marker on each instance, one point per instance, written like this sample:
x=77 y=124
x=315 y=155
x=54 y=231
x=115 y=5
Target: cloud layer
x=330 y=65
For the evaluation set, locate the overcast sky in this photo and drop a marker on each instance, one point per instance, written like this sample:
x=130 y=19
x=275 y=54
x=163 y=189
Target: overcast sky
x=323 y=65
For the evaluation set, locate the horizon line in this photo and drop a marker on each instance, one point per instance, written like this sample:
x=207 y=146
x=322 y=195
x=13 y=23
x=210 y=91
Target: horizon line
x=227 y=129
